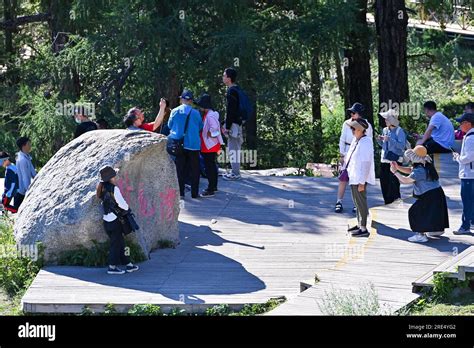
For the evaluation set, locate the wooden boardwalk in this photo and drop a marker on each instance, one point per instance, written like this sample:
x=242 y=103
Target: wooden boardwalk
x=386 y=259
x=258 y=239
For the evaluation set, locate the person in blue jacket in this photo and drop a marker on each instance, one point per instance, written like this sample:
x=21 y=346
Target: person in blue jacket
x=11 y=183
x=189 y=160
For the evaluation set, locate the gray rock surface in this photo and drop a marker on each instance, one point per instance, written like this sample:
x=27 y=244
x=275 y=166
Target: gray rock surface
x=61 y=209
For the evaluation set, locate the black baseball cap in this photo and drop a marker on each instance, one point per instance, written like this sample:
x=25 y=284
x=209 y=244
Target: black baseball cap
x=468 y=116
x=357 y=107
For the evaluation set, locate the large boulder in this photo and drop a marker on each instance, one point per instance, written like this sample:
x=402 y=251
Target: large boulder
x=62 y=212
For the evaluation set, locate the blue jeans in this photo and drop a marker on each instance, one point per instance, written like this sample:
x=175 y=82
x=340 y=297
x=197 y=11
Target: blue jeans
x=467 y=196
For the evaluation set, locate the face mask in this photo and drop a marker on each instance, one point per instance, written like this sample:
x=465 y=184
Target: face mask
x=78 y=121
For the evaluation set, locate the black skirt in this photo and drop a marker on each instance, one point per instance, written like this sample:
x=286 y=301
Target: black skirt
x=430 y=212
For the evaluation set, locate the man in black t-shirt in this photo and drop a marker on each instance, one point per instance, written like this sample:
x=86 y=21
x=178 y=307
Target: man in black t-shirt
x=83 y=123
x=233 y=123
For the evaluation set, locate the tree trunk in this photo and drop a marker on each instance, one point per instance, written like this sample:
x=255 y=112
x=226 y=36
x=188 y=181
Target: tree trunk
x=357 y=65
x=391 y=21
x=9 y=7
x=316 y=105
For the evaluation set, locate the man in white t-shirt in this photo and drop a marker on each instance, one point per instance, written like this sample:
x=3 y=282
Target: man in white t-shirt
x=345 y=141
x=439 y=135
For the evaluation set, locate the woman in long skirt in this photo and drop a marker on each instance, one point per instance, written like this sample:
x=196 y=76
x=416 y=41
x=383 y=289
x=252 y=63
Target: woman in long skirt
x=428 y=216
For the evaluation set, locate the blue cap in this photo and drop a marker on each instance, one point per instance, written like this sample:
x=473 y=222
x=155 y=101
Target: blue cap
x=468 y=116
x=187 y=95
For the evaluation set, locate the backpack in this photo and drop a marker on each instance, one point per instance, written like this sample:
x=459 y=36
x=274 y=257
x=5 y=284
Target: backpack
x=245 y=106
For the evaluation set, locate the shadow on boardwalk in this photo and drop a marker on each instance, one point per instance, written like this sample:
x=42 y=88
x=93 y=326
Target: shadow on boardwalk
x=182 y=274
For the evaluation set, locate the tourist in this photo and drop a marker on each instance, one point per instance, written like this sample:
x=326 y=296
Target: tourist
x=137 y=114
x=132 y=121
x=428 y=216
x=10 y=184
x=393 y=141
x=361 y=171
x=25 y=168
x=439 y=135
x=165 y=130
x=233 y=123
x=211 y=141
x=84 y=125
x=345 y=141
x=466 y=172
x=102 y=124
x=185 y=121
x=114 y=205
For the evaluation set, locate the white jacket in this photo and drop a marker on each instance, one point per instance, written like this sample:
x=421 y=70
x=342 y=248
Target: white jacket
x=212 y=125
x=361 y=167
x=466 y=157
x=346 y=136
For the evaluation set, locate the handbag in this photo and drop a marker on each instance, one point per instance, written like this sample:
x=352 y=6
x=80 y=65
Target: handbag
x=175 y=147
x=344 y=175
x=391 y=156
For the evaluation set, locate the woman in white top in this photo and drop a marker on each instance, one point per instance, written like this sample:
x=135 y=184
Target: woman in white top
x=113 y=203
x=361 y=171
x=344 y=143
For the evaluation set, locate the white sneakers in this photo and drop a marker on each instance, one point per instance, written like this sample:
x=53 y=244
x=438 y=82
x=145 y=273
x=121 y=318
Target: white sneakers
x=418 y=238
x=231 y=176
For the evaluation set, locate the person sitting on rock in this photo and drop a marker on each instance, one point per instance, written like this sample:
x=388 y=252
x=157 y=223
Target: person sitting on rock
x=137 y=114
x=112 y=200
x=11 y=183
x=26 y=170
x=84 y=125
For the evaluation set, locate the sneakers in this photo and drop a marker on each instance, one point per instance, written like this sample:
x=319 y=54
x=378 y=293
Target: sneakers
x=360 y=233
x=207 y=193
x=353 y=229
x=338 y=208
x=418 y=238
x=132 y=268
x=115 y=270
x=231 y=176
x=461 y=230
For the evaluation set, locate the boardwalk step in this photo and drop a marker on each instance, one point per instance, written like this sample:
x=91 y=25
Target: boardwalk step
x=453 y=267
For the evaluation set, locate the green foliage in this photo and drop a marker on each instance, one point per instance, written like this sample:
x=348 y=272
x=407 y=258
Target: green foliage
x=166 y=244
x=17 y=271
x=218 y=311
x=145 y=310
x=365 y=301
x=444 y=286
x=97 y=255
x=247 y=310
x=109 y=309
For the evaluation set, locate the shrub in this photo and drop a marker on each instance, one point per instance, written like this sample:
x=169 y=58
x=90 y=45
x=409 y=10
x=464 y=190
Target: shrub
x=16 y=271
x=362 y=302
x=145 y=310
x=97 y=255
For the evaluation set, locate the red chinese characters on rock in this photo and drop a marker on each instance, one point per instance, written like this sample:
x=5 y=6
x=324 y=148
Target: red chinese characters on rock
x=145 y=208
x=167 y=200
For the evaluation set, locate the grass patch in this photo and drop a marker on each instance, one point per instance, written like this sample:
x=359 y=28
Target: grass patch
x=218 y=310
x=449 y=296
x=16 y=271
x=97 y=255
x=166 y=244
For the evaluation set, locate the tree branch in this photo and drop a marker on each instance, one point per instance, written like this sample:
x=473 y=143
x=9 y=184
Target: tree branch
x=12 y=24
